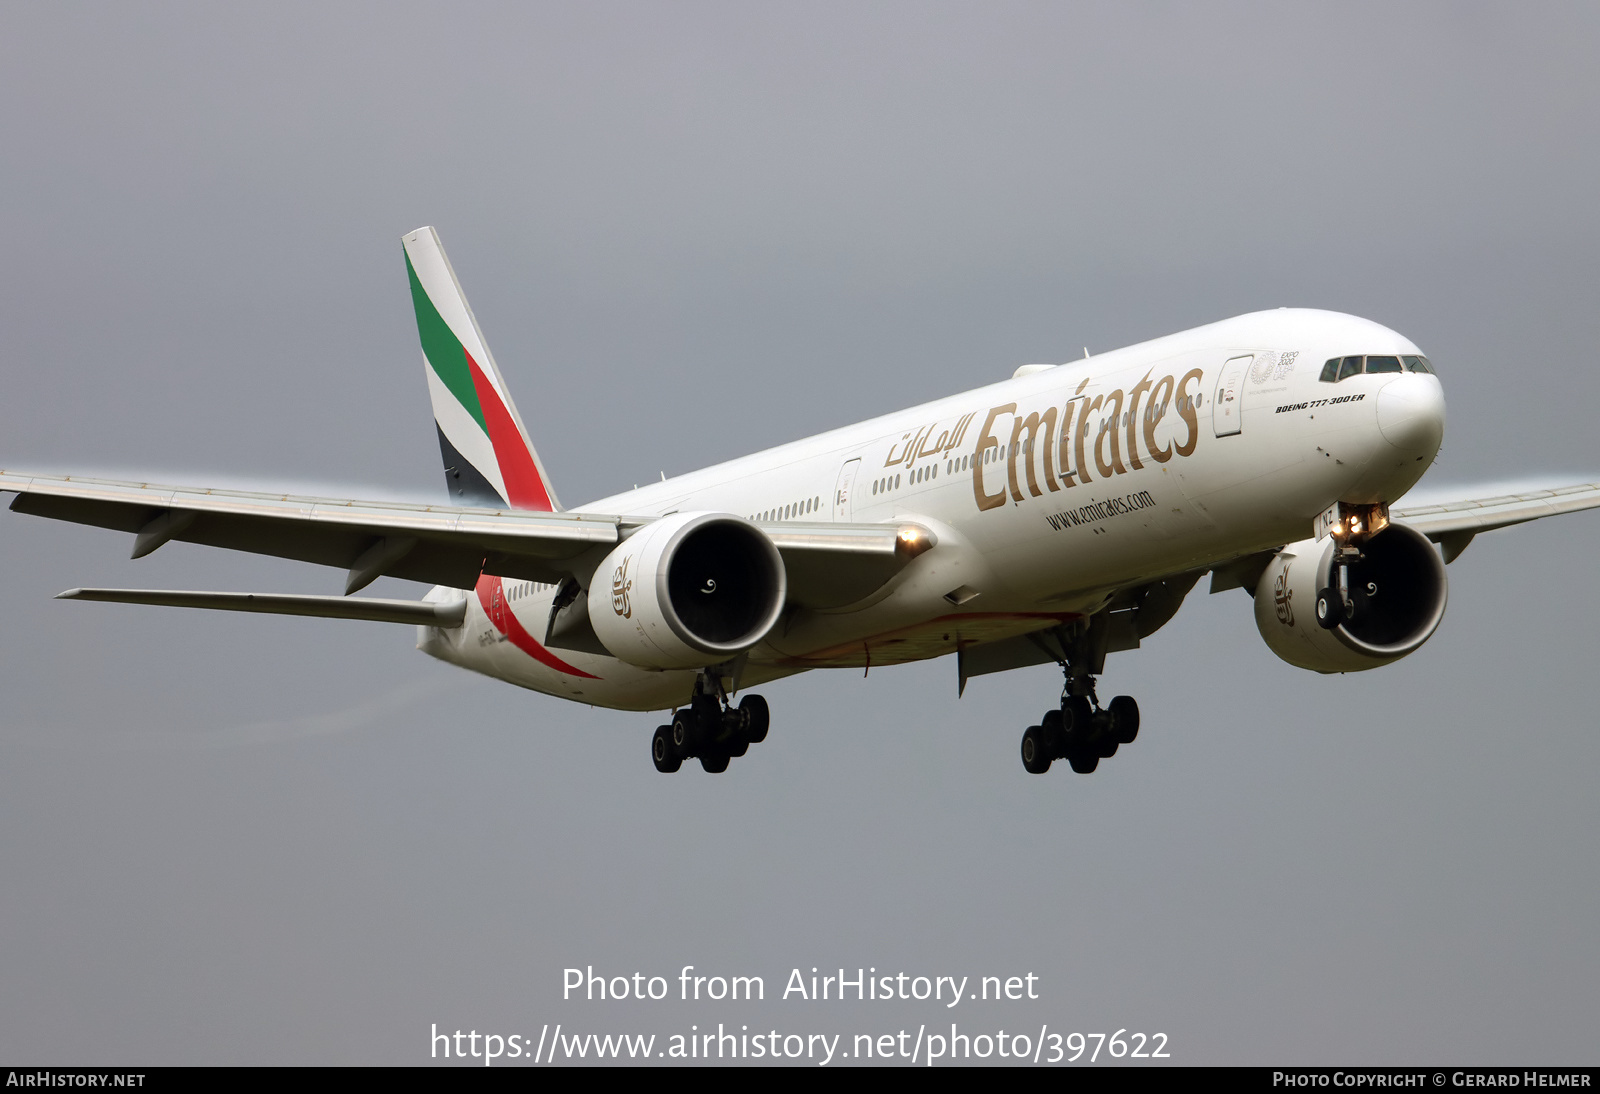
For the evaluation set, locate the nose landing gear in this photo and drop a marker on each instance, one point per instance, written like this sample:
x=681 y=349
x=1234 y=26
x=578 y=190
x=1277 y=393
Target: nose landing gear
x=1351 y=526
x=710 y=729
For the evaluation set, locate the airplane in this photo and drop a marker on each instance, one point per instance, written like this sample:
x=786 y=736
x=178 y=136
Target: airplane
x=1060 y=515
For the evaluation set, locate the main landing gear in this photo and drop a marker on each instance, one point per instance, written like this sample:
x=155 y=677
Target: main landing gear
x=1080 y=731
x=710 y=729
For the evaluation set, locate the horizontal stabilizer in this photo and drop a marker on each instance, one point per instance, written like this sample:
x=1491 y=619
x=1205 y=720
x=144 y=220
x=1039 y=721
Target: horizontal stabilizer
x=328 y=607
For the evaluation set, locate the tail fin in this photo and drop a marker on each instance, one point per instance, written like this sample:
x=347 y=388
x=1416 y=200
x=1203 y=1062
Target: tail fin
x=488 y=459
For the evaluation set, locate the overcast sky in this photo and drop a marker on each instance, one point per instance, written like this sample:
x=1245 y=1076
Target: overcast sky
x=694 y=230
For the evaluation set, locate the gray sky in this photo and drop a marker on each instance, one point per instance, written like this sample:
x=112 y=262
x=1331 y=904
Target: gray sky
x=690 y=231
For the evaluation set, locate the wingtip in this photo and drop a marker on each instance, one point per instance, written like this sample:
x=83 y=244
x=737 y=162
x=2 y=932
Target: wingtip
x=70 y=594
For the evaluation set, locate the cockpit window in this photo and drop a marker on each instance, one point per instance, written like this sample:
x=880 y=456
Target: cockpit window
x=1340 y=368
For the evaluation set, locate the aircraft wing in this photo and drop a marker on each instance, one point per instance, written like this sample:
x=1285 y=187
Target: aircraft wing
x=328 y=607
x=1453 y=523
x=828 y=564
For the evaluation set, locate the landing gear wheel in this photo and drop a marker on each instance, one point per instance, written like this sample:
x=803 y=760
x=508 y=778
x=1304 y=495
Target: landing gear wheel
x=1052 y=735
x=686 y=736
x=1035 y=759
x=1124 y=719
x=715 y=764
x=755 y=718
x=1077 y=718
x=1083 y=760
x=1330 y=609
x=736 y=746
x=664 y=752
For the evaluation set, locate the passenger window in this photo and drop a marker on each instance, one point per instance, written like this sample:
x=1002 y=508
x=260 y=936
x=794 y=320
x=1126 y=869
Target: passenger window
x=1351 y=366
x=1383 y=364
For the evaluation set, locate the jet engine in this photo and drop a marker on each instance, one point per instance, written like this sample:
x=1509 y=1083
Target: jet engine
x=687 y=591
x=1396 y=597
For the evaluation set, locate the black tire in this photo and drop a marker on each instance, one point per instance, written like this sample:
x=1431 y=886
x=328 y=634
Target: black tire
x=1124 y=719
x=664 y=752
x=1035 y=759
x=1330 y=609
x=1077 y=719
x=755 y=718
x=715 y=764
x=1083 y=760
x=1053 y=735
x=737 y=746
x=686 y=736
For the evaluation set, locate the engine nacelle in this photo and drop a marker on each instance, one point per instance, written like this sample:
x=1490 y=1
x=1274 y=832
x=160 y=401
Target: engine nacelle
x=1398 y=590
x=687 y=591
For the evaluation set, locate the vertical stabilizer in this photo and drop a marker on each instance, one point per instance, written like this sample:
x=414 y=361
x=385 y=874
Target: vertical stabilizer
x=488 y=458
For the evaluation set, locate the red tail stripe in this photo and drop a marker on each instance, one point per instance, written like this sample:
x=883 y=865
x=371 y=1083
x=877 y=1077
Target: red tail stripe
x=491 y=594
x=524 y=488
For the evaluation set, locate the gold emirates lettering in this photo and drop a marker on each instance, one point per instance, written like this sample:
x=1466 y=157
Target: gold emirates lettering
x=1054 y=436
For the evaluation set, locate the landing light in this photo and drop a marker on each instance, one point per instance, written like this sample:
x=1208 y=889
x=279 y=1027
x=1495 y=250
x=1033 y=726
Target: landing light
x=912 y=541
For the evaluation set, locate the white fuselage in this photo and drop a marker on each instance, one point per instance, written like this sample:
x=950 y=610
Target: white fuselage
x=1047 y=494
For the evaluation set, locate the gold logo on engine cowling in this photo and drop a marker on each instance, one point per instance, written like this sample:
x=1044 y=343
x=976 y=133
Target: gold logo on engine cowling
x=620 y=587
x=1283 y=597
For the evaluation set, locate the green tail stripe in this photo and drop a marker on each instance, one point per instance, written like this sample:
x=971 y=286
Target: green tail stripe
x=444 y=350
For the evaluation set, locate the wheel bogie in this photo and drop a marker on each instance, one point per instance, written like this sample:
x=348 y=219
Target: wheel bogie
x=710 y=731
x=1080 y=732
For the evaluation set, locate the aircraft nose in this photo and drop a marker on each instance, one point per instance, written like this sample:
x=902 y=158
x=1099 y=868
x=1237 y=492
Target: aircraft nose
x=1411 y=414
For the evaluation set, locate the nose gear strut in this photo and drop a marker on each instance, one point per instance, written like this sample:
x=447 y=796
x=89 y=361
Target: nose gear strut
x=1350 y=526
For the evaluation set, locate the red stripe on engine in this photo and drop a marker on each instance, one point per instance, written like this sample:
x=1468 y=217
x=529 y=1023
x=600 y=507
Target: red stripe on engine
x=524 y=488
x=492 y=595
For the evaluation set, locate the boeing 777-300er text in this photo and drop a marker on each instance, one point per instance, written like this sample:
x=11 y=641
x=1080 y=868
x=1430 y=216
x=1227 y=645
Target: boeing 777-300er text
x=1057 y=516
